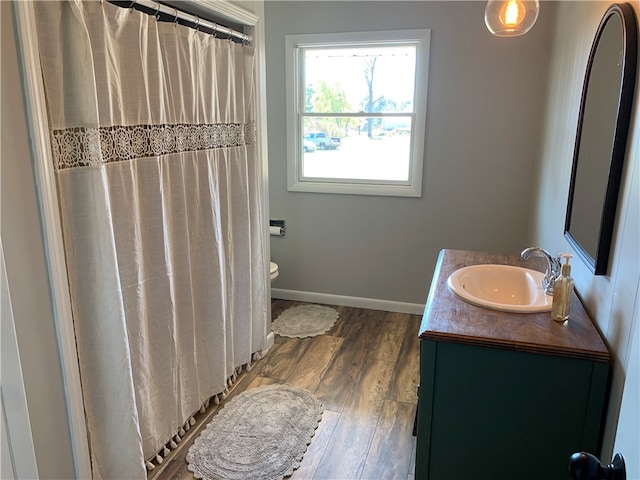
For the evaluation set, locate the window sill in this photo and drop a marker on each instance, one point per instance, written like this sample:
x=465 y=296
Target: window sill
x=355 y=188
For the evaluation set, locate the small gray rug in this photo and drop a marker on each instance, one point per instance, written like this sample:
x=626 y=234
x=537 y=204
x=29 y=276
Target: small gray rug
x=304 y=321
x=261 y=434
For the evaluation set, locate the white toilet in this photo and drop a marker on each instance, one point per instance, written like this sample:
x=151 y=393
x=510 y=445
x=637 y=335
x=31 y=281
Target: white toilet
x=274 y=271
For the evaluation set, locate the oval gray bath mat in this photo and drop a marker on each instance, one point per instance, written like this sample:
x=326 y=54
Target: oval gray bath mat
x=261 y=434
x=304 y=321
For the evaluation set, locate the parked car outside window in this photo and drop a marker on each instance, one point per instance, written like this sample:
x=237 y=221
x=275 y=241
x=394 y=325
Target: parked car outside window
x=322 y=141
x=308 y=146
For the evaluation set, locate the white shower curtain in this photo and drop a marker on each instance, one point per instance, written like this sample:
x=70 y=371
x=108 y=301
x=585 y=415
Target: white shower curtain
x=153 y=140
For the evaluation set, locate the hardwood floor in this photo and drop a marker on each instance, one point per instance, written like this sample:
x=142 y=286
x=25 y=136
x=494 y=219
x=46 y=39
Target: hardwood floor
x=365 y=372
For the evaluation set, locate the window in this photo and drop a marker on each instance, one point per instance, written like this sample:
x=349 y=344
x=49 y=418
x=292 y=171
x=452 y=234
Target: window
x=356 y=112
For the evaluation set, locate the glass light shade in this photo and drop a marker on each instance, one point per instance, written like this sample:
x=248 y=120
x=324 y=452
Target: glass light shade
x=509 y=18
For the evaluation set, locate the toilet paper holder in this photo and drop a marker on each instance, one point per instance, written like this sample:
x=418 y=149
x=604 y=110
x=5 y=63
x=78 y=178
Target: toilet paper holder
x=277 y=228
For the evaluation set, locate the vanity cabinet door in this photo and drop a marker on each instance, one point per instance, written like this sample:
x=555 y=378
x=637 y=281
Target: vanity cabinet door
x=493 y=413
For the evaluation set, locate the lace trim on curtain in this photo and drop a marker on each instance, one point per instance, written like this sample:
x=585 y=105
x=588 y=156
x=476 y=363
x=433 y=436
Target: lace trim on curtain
x=172 y=444
x=94 y=147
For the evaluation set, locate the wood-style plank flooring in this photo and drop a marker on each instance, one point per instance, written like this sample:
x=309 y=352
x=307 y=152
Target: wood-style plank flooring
x=365 y=372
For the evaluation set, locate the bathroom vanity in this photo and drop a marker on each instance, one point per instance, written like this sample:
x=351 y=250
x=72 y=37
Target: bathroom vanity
x=504 y=395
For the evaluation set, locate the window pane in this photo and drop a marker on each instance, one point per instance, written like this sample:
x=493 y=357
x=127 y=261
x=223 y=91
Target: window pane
x=356 y=112
x=357 y=148
x=359 y=79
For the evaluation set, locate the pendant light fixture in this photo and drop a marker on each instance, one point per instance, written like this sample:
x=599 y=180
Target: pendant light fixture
x=510 y=18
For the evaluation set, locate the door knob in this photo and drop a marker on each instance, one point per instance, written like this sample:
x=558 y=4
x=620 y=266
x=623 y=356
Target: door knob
x=584 y=466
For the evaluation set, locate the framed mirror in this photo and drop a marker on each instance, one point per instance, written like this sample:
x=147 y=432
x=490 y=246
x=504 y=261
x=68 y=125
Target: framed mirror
x=601 y=138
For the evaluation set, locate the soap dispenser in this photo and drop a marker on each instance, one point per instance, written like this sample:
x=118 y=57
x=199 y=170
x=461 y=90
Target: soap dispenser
x=562 y=292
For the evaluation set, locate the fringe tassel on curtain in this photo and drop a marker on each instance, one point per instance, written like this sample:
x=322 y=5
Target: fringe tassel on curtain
x=172 y=444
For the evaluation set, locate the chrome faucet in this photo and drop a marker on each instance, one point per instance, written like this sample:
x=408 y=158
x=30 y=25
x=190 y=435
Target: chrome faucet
x=553 y=267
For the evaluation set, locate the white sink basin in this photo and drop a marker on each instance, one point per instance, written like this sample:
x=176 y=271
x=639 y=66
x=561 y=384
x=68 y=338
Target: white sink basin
x=501 y=287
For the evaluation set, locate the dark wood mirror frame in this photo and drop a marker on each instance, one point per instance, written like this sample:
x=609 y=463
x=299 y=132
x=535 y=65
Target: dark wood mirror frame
x=605 y=224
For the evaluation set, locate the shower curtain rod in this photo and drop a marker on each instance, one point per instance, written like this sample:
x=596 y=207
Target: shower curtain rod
x=192 y=19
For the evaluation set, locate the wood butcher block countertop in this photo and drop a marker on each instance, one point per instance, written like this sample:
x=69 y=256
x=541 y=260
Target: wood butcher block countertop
x=449 y=318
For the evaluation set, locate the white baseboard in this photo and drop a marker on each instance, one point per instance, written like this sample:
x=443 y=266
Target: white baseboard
x=270 y=341
x=358 y=302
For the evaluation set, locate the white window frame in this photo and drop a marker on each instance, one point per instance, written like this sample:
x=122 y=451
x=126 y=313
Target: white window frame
x=295 y=93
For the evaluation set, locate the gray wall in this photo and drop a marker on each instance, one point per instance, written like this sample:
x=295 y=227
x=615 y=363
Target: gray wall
x=484 y=117
x=27 y=275
x=612 y=300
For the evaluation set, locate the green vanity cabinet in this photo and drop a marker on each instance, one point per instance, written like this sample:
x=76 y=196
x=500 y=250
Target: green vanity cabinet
x=504 y=395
